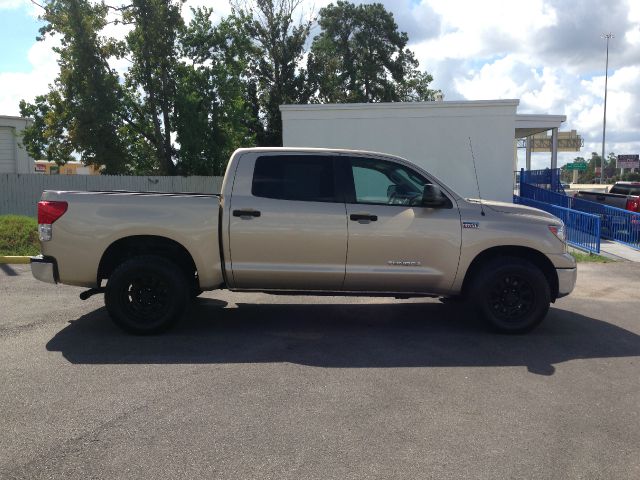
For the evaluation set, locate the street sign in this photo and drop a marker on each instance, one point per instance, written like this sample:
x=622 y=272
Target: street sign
x=582 y=166
x=628 y=161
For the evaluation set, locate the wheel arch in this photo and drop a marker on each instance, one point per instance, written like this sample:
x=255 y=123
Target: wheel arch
x=535 y=257
x=137 y=245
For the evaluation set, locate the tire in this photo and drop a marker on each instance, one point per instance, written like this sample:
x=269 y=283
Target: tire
x=146 y=294
x=196 y=292
x=511 y=294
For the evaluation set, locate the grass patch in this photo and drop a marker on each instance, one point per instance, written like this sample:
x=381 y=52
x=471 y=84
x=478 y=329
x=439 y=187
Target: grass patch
x=18 y=235
x=590 y=257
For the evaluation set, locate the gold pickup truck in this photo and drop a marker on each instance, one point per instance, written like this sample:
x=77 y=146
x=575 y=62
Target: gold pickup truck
x=305 y=221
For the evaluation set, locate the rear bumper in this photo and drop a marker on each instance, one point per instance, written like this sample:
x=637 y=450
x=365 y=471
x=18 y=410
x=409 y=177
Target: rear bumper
x=566 y=280
x=44 y=269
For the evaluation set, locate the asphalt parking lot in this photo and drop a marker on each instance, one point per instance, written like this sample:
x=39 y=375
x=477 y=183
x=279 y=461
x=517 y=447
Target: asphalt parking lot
x=255 y=386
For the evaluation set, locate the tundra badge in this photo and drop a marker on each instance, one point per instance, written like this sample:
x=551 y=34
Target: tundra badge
x=404 y=263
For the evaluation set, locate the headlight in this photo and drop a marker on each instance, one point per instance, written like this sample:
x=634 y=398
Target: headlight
x=558 y=231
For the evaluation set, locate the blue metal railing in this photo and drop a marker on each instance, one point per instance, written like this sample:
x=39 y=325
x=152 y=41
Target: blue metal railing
x=543 y=195
x=615 y=223
x=582 y=229
x=549 y=179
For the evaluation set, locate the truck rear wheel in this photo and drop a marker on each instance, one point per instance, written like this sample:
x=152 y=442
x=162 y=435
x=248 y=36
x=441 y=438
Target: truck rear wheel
x=146 y=294
x=511 y=294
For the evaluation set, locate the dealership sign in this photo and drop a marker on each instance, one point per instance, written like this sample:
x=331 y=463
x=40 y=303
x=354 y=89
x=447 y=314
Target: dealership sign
x=628 y=161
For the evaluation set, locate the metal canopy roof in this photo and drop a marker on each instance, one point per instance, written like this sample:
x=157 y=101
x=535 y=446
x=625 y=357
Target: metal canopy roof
x=527 y=125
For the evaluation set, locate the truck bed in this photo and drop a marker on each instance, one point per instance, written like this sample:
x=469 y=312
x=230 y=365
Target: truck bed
x=98 y=220
x=610 y=199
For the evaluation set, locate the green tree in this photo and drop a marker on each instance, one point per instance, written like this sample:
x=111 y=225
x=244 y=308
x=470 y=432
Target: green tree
x=46 y=138
x=153 y=50
x=79 y=117
x=589 y=175
x=211 y=109
x=274 y=74
x=360 y=56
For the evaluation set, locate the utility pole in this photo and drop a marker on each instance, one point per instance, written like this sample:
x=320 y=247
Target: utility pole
x=608 y=36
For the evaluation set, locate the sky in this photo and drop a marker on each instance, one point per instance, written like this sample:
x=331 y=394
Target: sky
x=549 y=54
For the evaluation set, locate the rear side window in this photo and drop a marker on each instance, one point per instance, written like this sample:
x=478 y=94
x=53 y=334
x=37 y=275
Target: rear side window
x=619 y=189
x=294 y=177
x=626 y=189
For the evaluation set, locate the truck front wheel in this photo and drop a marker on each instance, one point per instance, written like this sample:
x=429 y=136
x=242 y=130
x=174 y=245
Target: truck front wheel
x=146 y=294
x=511 y=294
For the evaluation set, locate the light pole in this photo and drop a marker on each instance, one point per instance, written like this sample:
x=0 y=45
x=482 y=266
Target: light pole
x=608 y=36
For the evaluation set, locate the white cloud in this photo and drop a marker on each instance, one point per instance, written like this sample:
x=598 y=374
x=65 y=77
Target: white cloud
x=18 y=85
x=488 y=28
x=11 y=4
x=32 y=9
x=549 y=55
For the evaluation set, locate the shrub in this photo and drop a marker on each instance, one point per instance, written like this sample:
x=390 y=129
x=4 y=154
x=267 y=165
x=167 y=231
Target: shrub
x=18 y=235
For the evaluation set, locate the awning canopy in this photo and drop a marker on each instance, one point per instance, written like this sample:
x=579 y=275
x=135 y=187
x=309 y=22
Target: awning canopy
x=527 y=125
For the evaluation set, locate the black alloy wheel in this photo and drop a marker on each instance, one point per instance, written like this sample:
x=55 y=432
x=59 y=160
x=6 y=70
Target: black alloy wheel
x=146 y=294
x=511 y=294
x=512 y=297
x=145 y=298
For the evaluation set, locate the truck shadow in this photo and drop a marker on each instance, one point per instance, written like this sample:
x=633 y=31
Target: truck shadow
x=345 y=336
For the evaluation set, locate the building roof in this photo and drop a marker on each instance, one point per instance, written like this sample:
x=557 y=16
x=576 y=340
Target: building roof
x=527 y=124
x=13 y=121
x=399 y=105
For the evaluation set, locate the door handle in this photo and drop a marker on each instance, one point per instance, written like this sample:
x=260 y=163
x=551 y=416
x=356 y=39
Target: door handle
x=246 y=213
x=356 y=217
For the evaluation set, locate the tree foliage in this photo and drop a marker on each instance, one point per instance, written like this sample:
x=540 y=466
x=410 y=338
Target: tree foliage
x=192 y=93
x=274 y=75
x=361 y=56
x=612 y=174
x=212 y=114
x=80 y=112
x=152 y=44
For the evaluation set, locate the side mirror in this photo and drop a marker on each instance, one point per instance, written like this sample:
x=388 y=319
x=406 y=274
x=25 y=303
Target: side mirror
x=432 y=196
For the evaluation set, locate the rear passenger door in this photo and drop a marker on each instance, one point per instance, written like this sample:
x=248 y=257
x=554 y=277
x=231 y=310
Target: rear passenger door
x=288 y=224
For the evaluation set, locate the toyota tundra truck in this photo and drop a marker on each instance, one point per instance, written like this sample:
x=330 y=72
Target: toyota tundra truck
x=305 y=222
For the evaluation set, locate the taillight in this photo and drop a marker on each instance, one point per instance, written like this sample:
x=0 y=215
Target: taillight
x=49 y=212
x=633 y=204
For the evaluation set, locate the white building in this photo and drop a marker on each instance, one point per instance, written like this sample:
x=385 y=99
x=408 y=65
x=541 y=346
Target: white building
x=438 y=136
x=13 y=157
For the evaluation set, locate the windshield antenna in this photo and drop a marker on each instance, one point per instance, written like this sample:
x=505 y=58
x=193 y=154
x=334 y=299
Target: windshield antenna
x=476 y=172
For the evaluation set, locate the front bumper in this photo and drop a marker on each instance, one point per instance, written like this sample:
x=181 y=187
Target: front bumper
x=566 y=280
x=44 y=269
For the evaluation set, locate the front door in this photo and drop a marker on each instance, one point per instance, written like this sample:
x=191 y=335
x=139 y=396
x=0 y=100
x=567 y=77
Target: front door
x=288 y=225
x=395 y=244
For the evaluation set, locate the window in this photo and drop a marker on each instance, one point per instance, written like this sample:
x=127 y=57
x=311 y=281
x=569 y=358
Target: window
x=294 y=177
x=386 y=183
x=625 y=189
x=619 y=189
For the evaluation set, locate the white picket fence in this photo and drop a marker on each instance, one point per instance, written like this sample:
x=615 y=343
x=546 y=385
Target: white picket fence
x=19 y=193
